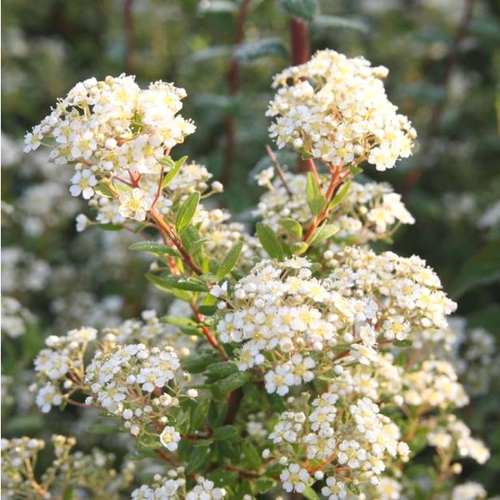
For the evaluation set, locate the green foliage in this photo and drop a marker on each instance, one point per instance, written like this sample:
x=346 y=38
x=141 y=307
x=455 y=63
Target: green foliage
x=270 y=241
x=186 y=212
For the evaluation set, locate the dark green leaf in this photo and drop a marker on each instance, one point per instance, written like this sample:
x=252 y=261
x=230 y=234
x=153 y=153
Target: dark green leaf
x=160 y=283
x=251 y=51
x=225 y=432
x=222 y=369
x=196 y=363
x=234 y=381
x=199 y=457
x=229 y=260
x=305 y=9
x=269 y=241
x=182 y=283
x=328 y=22
x=154 y=248
x=186 y=212
x=483 y=268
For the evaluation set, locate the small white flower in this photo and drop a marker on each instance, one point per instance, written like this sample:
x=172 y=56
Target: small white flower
x=134 y=204
x=83 y=183
x=169 y=438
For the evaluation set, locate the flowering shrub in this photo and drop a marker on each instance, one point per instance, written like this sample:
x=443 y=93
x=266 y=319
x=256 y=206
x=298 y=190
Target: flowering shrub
x=299 y=358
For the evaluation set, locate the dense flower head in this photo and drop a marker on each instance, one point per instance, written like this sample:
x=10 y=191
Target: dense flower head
x=15 y=318
x=353 y=439
x=113 y=125
x=407 y=293
x=368 y=212
x=335 y=108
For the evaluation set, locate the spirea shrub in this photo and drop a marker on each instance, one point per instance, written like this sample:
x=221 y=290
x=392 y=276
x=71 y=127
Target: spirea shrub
x=294 y=358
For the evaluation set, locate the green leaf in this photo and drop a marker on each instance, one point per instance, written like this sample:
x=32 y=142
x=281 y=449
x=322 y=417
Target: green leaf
x=222 y=369
x=104 y=190
x=179 y=321
x=223 y=478
x=324 y=232
x=269 y=241
x=251 y=51
x=225 y=432
x=211 y=53
x=154 y=248
x=174 y=170
x=199 y=457
x=292 y=226
x=341 y=194
x=194 y=243
x=305 y=9
x=186 y=212
x=199 y=414
x=197 y=363
x=184 y=283
x=336 y=22
x=68 y=493
x=310 y=494
x=481 y=269
x=229 y=260
x=234 y=381
x=252 y=457
x=160 y=283
x=403 y=343
x=299 y=247
x=315 y=198
x=355 y=170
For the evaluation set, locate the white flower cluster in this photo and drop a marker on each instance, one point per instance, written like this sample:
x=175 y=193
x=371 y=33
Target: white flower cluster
x=468 y=491
x=173 y=487
x=434 y=384
x=367 y=213
x=336 y=109
x=283 y=315
x=125 y=377
x=15 y=318
x=404 y=292
x=454 y=437
x=93 y=473
x=354 y=438
x=113 y=125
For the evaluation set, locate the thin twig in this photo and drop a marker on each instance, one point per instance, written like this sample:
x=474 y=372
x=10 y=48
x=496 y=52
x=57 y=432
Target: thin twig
x=279 y=169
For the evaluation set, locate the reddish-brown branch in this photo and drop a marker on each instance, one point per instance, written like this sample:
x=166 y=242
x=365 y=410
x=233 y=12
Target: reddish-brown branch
x=207 y=332
x=233 y=81
x=243 y=473
x=335 y=181
x=234 y=403
x=128 y=22
x=299 y=41
x=413 y=176
x=163 y=226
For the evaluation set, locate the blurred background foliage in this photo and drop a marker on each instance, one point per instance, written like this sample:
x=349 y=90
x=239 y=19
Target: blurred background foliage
x=444 y=61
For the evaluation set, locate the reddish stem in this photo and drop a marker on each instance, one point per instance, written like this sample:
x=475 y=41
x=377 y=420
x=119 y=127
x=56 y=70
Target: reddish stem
x=299 y=41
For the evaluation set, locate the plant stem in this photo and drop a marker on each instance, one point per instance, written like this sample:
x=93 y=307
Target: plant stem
x=163 y=226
